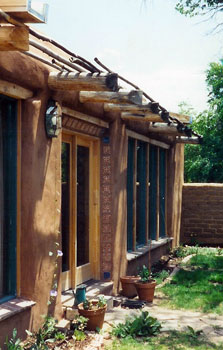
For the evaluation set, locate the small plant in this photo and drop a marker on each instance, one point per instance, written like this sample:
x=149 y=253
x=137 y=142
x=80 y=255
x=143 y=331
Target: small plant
x=144 y=273
x=79 y=335
x=160 y=276
x=79 y=323
x=101 y=301
x=92 y=305
x=139 y=326
x=60 y=336
x=14 y=342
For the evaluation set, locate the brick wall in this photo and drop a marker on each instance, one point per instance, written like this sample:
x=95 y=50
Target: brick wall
x=202 y=214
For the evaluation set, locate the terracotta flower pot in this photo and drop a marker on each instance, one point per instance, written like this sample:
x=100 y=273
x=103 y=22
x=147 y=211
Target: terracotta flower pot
x=95 y=316
x=128 y=286
x=146 y=291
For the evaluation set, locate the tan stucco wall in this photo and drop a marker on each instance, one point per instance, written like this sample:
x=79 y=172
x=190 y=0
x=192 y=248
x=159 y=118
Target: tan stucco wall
x=175 y=173
x=40 y=205
x=119 y=220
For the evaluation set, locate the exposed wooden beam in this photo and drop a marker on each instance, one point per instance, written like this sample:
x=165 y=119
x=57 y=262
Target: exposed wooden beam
x=181 y=117
x=144 y=138
x=15 y=91
x=83 y=81
x=14 y=38
x=134 y=97
x=164 y=128
x=188 y=140
x=25 y=11
x=112 y=107
x=146 y=117
x=85 y=117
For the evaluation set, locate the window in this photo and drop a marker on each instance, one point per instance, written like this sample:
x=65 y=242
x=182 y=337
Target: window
x=146 y=193
x=8 y=198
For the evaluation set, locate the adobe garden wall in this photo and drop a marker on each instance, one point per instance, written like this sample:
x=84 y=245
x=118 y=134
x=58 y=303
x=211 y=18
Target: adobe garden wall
x=202 y=214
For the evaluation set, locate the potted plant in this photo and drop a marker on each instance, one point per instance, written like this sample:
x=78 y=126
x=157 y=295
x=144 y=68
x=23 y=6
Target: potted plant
x=146 y=286
x=94 y=311
x=128 y=285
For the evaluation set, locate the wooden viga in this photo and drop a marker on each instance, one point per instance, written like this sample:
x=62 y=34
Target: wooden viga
x=83 y=81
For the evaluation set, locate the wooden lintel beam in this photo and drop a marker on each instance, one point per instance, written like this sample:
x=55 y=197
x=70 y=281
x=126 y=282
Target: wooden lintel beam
x=14 y=90
x=85 y=117
x=188 y=140
x=112 y=107
x=132 y=97
x=83 y=81
x=13 y=38
x=146 y=117
x=144 y=138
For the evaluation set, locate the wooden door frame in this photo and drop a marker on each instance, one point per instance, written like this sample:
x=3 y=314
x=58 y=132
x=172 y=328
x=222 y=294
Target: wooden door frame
x=94 y=202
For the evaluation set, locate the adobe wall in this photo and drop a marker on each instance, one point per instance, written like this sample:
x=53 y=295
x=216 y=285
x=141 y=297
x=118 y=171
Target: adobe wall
x=40 y=197
x=202 y=214
x=175 y=171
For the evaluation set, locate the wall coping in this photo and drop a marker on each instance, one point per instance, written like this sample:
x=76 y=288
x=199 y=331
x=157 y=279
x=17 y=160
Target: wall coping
x=202 y=185
x=13 y=307
x=144 y=249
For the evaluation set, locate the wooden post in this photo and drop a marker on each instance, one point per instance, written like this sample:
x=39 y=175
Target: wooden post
x=83 y=81
x=134 y=97
x=14 y=38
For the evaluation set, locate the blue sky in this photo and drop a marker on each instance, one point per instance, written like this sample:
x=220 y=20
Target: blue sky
x=149 y=43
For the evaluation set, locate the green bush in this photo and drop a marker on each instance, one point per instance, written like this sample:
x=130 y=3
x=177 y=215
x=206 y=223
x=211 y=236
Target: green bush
x=139 y=326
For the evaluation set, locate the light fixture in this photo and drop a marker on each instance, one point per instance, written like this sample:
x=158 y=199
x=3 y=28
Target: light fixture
x=53 y=119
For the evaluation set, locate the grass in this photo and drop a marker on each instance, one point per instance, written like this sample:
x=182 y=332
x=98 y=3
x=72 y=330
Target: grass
x=199 y=285
x=173 y=340
x=206 y=261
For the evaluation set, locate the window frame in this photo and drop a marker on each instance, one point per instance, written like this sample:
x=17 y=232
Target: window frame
x=14 y=266
x=132 y=184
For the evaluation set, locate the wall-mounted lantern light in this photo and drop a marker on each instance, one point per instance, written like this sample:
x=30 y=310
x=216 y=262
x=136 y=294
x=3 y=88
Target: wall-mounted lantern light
x=53 y=119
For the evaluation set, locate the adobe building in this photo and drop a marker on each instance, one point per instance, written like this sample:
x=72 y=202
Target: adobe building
x=88 y=171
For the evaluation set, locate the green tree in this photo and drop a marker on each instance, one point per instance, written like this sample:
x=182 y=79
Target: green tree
x=198 y=7
x=204 y=163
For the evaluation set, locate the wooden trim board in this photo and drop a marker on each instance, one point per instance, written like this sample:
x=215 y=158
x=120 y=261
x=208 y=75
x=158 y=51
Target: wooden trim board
x=14 y=90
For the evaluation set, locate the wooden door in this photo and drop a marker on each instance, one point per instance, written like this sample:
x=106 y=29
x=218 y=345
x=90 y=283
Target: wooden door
x=80 y=210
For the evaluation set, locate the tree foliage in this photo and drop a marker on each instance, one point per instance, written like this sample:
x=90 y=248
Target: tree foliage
x=198 y=7
x=204 y=163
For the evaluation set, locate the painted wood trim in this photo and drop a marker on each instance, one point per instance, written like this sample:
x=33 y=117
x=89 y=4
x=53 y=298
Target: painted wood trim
x=85 y=117
x=166 y=193
x=73 y=211
x=14 y=90
x=67 y=275
x=158 y=196
x=147 y=193
x=134 y=195
x=140 y=137
x=18 y=219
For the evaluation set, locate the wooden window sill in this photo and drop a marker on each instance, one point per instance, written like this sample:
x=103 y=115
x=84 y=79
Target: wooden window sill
x=13 y=307
x=144 y=249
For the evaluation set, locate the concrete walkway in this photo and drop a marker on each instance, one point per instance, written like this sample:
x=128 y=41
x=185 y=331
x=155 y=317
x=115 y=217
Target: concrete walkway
x=210 y=324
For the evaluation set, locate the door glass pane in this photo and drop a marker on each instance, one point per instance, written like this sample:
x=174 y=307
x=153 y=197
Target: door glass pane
x=82 y=205
x=65 y=217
